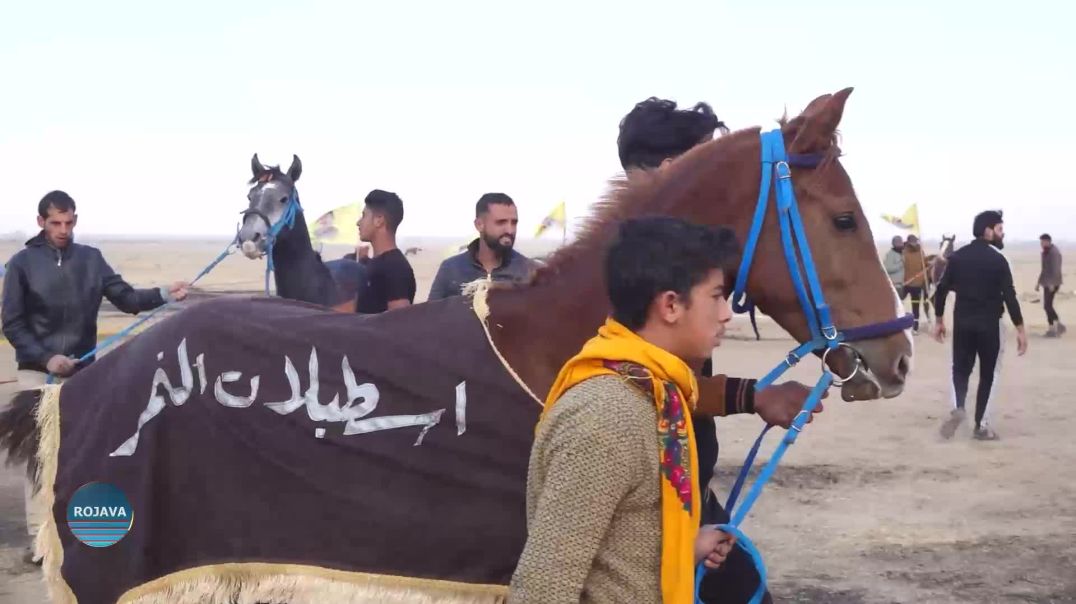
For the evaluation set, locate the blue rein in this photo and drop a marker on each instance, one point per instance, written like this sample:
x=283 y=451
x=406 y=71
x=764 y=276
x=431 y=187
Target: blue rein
x=825 y=337
x=126 y=331
x=286 y=221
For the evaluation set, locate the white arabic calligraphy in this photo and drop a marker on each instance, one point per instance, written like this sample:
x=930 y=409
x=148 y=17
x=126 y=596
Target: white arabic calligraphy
x=350 y=414
x=230 y=400
x=156 y=402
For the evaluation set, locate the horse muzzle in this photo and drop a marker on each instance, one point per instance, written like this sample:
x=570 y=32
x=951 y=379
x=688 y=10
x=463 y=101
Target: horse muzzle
x=861 y=381
x=252 y=249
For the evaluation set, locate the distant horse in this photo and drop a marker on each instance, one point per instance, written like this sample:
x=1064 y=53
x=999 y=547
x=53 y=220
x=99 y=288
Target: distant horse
x=249 y=487
x=938 y=262
x=936 y=265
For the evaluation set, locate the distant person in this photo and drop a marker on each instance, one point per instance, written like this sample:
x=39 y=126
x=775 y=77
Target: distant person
x=390 y=281
x=491 y=256
x=1050 y=282
x=983 y=283
x=894 y=265
x=52 y=294
x=915 y=275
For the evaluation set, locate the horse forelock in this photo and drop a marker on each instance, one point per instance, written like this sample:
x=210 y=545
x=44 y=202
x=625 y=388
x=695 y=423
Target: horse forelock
x=271 y=174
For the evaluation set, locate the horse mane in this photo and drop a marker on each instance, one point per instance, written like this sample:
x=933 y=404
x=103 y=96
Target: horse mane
x=627 y=198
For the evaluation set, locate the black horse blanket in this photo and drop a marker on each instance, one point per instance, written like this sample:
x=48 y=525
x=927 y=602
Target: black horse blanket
x=272 y=450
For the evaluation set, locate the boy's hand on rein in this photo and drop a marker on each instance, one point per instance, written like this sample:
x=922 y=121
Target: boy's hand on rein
x=712 y=547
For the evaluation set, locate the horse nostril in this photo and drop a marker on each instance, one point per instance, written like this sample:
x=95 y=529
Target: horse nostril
x=256 y=237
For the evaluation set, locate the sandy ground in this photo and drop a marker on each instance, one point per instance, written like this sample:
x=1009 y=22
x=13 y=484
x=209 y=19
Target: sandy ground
x=870 y=505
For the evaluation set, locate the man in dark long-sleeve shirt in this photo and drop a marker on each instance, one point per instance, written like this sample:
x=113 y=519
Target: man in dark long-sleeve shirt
x=983 y=283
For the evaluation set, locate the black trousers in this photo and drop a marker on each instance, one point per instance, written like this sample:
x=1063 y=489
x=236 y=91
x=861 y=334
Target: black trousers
x=736 y=581
x=1048 y=303
x=918 y=298
x=971 y=341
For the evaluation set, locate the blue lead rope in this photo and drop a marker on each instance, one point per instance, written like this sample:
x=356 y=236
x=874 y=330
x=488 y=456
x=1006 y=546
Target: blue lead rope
x=123 y=333
x=824 y=335
x=286 y=221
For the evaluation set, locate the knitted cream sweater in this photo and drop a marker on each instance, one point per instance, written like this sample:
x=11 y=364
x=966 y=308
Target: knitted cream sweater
x=593 y=500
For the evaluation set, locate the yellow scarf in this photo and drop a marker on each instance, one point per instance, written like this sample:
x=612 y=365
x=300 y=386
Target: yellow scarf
x=616 y=350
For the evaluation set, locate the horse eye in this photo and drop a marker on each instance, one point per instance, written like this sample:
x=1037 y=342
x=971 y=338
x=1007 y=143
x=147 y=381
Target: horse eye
x=845 y=222
x=283 y=200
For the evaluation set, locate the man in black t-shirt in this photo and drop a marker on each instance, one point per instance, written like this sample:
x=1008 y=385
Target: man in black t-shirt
x=390 y=282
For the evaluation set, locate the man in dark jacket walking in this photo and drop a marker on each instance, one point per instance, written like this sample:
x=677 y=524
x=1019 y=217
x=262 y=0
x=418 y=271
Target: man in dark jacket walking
x=983 y=283
x=52 y=293
x=1050 y=282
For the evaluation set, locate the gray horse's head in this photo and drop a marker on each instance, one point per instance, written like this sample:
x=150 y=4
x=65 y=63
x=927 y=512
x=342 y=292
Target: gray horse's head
x=268 y=197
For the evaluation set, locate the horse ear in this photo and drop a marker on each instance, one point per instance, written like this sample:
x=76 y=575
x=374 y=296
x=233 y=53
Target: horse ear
x=819 y=122
x=296 y=168
x=792 y=126
x=256 y=167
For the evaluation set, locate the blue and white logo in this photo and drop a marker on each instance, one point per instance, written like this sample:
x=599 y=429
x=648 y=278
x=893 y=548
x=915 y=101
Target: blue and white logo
x=99 y=514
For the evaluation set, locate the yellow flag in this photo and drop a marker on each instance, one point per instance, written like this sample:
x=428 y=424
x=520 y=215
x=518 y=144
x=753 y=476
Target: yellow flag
x=555 y=218
x=337 y=226
x=910 y=219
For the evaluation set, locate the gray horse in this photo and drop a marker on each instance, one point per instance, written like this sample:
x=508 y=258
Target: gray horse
x=298 y=270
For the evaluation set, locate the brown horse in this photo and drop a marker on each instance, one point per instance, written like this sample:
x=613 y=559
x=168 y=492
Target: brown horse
x=540 y=326
x=473 y=476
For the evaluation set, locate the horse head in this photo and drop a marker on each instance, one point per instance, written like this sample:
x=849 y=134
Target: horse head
x=948 y=243
x=269 y=198
x=849 y=270
x=852 y=280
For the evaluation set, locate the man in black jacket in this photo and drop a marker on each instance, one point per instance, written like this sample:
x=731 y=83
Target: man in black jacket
x=52 y=292
x=983 y=283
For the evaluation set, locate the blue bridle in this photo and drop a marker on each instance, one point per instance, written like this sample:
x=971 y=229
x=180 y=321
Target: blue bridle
x=825 y=337
x=287 y=220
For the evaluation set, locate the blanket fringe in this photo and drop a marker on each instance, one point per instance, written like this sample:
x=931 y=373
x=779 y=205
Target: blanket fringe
x=478 y=291
x=48 y=543
x=256 y=582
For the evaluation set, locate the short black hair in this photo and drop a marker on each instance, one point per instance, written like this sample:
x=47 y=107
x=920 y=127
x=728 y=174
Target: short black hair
x=1046 y=237
x=985 y=220
x=656 y=130
x=482 y=207
x=659 y=254
x=388 y=205
x=59 y=200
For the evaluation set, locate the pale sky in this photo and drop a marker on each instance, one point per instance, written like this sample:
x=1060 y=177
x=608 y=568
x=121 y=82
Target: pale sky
x=147 y=113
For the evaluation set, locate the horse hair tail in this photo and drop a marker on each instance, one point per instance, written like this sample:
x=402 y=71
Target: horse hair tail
x=19 y=431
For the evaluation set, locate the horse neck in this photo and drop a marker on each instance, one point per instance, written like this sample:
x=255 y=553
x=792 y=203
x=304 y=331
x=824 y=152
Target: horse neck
x=299 y=273
x=538 y=327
